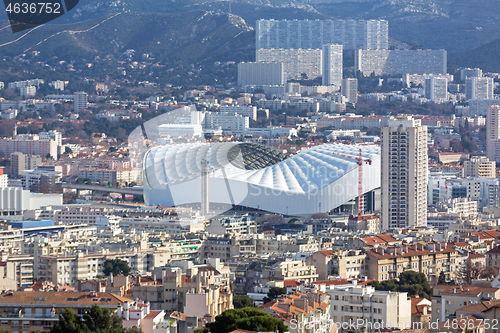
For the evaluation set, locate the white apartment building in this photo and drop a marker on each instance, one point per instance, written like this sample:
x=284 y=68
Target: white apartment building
x=80 y=101
x=51 y=135
x=79 y=215
x=108 y=222
x=27 y=92
x=261 y=73
x=180 y=130
x=479 y=107
x=493 y=133
x=249 y=111
x=369 y=306
x=470 y=72
x=227 y=121
x=479 y=88
x=58 y=84
x=174 y=226
x=419 y=79
x=398 y=62
x=482 y=190
x=295 y=34
x=436 y=89
x=332 y=64
x=296 y=62
x=350 y=89
x=19 y=84
x=404 y=173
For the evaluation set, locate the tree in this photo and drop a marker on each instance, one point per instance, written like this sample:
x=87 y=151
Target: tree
x=242 y=301
x=68 y=150
x=246 y=319
x=94 y=320
x=116 y=266
x=472 y=271
x=273 y=293
x=410 y=281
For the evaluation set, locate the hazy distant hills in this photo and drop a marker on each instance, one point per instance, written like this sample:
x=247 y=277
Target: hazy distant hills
x=450 y=24
x=193 y=37
x=485 y=57
x=200 y=30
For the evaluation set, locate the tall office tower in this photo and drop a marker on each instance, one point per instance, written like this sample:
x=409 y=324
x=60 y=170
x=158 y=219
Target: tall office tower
x=480 y=166
x=332 y=65
x=470 y=72
x=261 y=74
x=350 y=89
x=436 y=89
x=493 y=133
x=306 y=34
x=404 y=173
x=479 y=88
x=80 y=100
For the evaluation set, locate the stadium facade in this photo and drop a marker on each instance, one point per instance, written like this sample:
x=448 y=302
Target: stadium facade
x=319 y=179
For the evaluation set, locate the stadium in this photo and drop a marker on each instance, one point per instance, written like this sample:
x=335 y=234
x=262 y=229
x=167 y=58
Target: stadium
x=320 y=179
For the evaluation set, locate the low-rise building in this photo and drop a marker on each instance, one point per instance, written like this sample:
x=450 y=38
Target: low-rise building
x=448 y=299
x=366 y=306
x=386 y=263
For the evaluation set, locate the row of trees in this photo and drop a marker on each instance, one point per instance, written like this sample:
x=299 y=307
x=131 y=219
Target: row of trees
x=410 y=281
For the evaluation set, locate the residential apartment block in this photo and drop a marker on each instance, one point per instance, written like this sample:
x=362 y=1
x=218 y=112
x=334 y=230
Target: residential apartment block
x=296 y=34
x=386 y=263
x=397 y=62
x=332 y=66
x=479 y=88
x=296 y=62
x=480 y=166
x=261 y=73
x=365 y=306
x=404 y=173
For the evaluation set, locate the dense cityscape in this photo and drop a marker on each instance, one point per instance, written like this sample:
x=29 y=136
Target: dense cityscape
x=335 y=180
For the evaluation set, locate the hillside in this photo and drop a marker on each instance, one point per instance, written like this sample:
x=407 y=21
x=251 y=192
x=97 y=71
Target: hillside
x=450 y=24
x=485 y=57
x=195 y=36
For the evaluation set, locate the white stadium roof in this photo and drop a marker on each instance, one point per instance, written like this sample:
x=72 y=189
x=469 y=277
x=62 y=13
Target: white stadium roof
x=316 y=180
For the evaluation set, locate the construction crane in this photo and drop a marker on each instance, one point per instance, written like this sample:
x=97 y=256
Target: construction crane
x=359 y=160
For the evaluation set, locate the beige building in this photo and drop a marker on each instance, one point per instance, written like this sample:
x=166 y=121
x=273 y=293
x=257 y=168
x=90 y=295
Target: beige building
x=302 y=312
x=448 y=299
x=367 y=223
x=293 y=270
x=480 y=166
x=37 y=311
x=404 y=173
x=486 y=310
x=343 y=264
x=386 y=263
x=364 y=304
x=212 y=296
